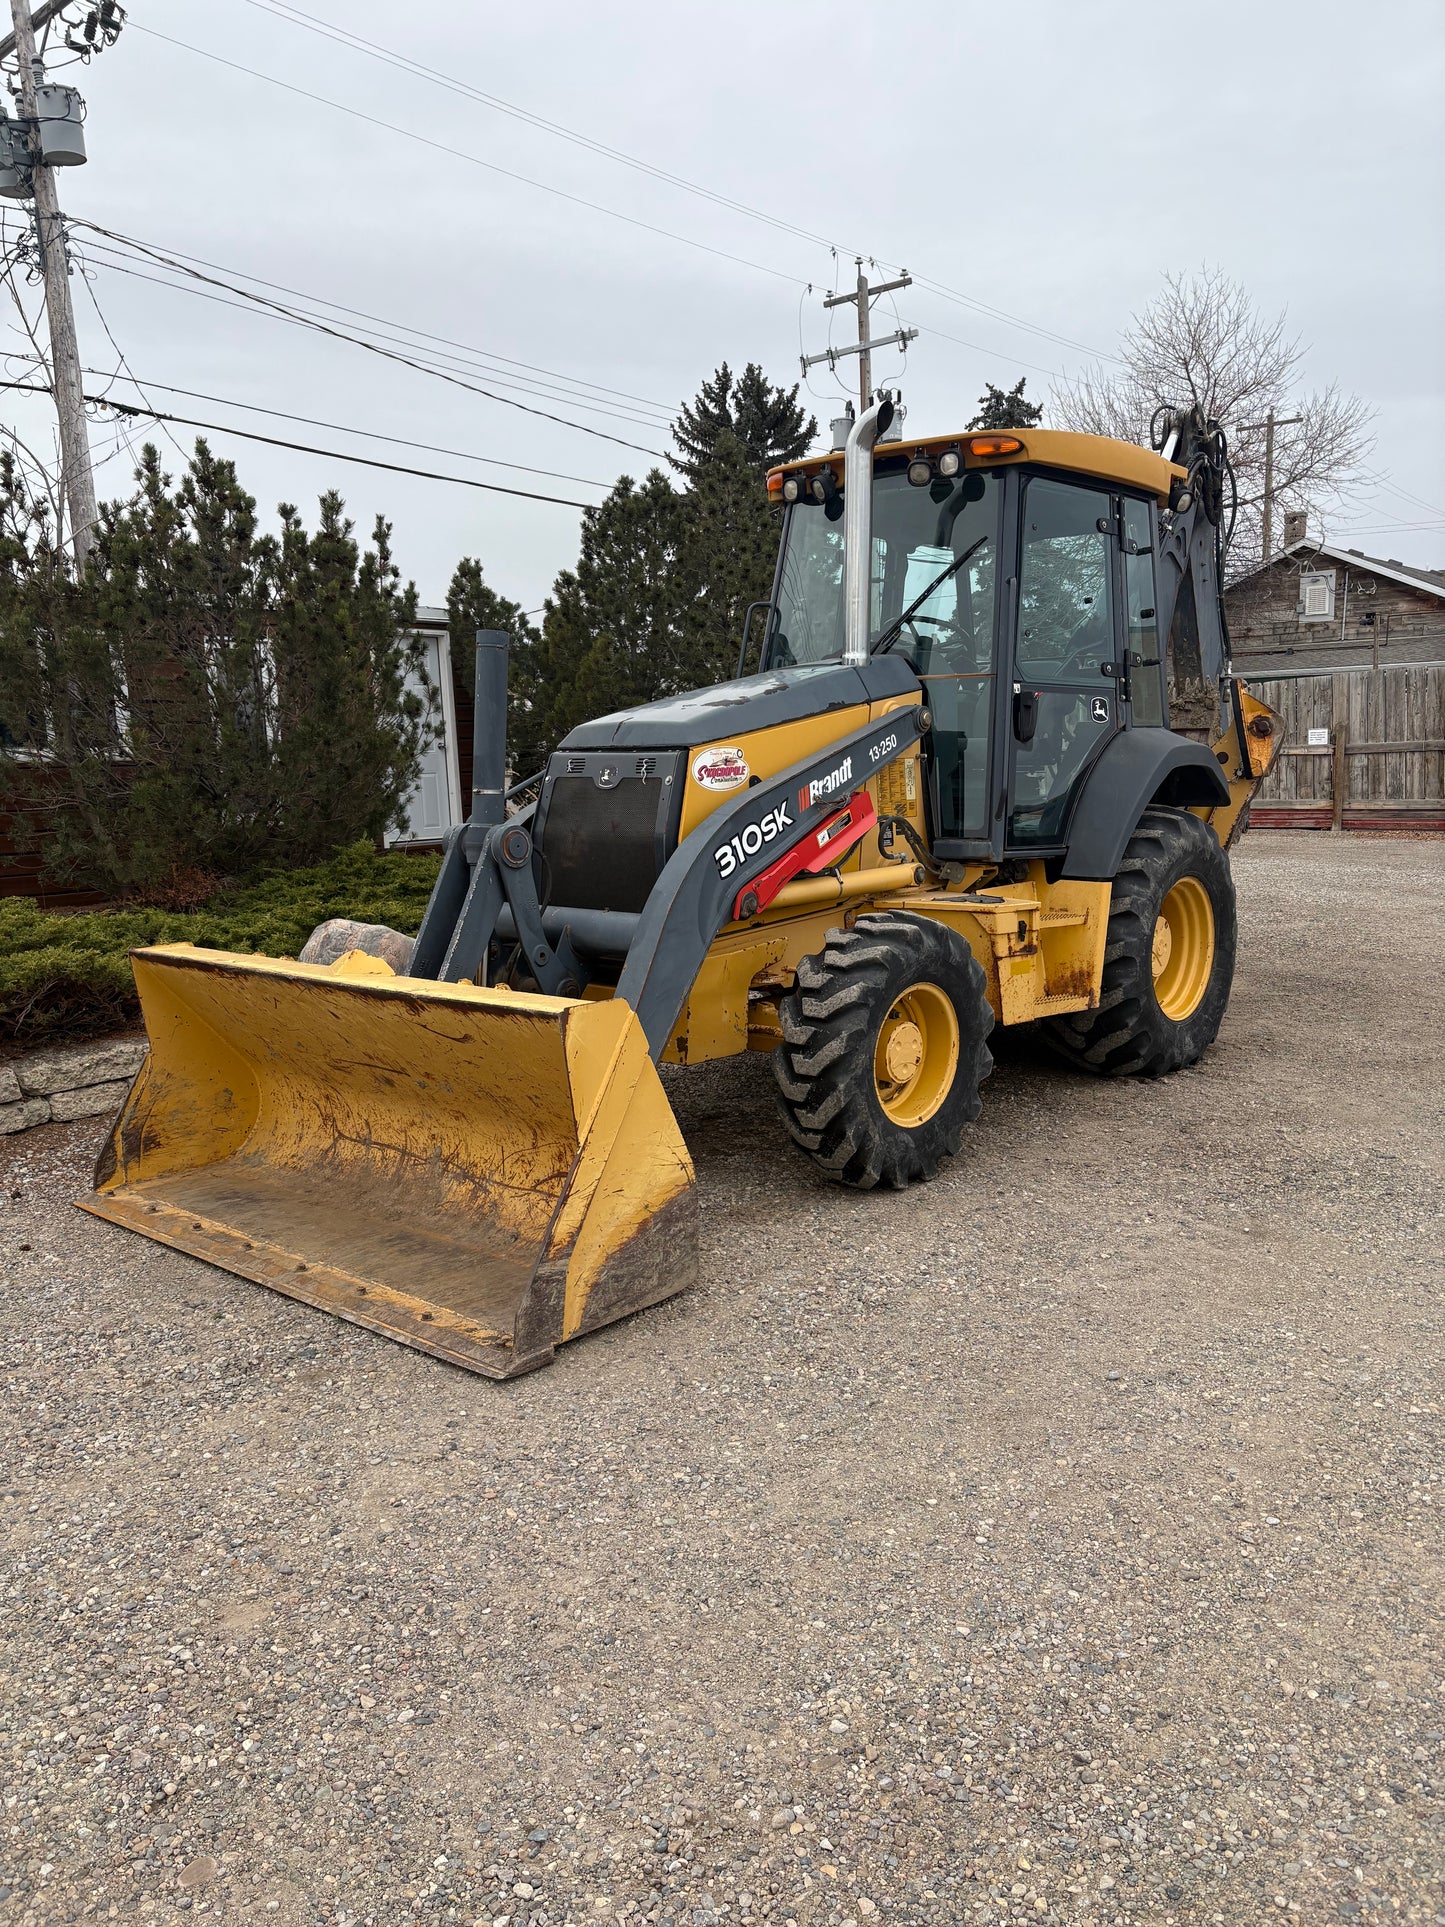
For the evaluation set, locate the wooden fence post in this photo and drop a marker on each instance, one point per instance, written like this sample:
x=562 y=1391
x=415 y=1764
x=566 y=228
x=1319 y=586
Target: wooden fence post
x=1340 y=773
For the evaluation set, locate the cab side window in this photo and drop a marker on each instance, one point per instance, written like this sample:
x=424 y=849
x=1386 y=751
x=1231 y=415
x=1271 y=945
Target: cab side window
x=1066 y=617
x=1141 y=627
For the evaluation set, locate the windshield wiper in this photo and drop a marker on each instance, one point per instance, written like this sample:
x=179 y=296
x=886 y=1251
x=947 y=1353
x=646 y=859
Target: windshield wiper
x=896 y=627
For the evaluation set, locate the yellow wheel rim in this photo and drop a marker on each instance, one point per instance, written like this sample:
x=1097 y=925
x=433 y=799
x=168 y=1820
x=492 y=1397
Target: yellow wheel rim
x=916 y=1056
x=1183 y=949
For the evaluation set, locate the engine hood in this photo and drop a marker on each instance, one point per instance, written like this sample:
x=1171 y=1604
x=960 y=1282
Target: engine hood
x=751 y=703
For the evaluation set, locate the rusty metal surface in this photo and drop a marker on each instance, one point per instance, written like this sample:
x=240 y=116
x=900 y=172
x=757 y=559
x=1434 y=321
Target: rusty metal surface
x=427 y=1323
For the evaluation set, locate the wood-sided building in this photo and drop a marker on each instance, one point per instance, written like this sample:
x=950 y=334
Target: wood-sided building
x=1350 y=648
x=1319 y=606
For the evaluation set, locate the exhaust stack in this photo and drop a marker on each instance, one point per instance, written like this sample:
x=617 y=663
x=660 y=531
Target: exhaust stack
x=858 y=528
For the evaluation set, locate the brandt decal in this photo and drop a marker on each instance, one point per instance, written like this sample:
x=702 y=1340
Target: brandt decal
x=828 y=785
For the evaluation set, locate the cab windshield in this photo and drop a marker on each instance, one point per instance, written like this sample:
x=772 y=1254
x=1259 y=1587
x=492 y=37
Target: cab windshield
x=917 y=534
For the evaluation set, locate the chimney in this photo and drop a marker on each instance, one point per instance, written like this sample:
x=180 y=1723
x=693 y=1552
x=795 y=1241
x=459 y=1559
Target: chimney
x=1294 y=526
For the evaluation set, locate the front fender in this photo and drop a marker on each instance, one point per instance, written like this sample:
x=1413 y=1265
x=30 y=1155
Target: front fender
x=1139 y=767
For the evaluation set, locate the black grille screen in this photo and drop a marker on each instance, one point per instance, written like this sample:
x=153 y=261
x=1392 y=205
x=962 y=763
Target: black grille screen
x=601 y=845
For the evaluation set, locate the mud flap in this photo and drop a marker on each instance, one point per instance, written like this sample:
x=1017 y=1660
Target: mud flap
x=478 y=1173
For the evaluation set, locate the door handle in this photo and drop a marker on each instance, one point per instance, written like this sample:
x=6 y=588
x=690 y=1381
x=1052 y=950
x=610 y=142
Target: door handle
x=1026 y=713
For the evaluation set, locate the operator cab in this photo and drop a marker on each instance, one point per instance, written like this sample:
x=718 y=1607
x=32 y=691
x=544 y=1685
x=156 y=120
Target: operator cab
x=1019 y=588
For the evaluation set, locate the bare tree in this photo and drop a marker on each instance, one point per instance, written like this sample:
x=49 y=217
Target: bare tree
x=1203 y=340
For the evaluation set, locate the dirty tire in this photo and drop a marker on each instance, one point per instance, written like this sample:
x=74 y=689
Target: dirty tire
x=1129 y=1034
x=832 y=1021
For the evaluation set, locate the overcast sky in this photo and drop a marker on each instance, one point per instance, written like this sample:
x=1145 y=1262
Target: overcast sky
x=1051 y=160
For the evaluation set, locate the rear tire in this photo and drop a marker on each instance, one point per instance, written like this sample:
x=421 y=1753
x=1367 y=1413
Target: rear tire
x=885 y=1046
x=1168 y=959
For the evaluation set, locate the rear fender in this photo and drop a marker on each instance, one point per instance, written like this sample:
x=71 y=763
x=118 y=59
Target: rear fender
x=1139 y=767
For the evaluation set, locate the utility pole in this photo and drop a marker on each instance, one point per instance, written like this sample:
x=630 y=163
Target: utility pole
x=862 y=298
x=1271 y=423
x=77 y=480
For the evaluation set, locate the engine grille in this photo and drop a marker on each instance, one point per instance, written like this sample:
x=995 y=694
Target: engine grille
x=607 y=829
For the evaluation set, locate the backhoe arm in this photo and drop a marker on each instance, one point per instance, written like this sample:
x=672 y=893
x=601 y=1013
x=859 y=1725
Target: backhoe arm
x=1205 y=701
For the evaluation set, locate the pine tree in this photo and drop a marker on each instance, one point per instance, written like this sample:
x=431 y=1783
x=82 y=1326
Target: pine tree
x=614 y=631
x=656 y=602
x=769 y=422
x=473 y=604
x=730 y=555
x=347 y=733
x=211 y=699
x=1007 y=408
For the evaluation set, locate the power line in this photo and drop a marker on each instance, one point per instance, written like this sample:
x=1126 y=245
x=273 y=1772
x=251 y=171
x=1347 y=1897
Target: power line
x=301 y=448
x=931 y=286
x=1384 y=528
x=1385 y=481
x=116 y=265
x=460 y=153
x=388 y=354
x=978 y=348
x=121 y=361
x=179 y=255
x=344 y=36
x=101 y=254
x=297 y=17
x=130 y=251
x=345 y=428
x=937 y=288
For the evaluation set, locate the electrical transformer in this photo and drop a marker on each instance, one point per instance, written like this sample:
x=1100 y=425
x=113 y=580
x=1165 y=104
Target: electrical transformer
x=60 y=112
x=14 y=161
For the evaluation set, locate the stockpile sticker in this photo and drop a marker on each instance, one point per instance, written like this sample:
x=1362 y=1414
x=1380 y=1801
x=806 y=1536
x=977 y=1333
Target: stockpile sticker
x=720 y=768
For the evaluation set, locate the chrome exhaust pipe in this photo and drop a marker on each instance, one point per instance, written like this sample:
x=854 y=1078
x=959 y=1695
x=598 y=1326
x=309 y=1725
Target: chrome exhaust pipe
x=858 y=528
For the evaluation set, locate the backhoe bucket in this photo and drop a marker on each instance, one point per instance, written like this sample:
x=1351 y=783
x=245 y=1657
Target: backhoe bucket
x=479 y=1173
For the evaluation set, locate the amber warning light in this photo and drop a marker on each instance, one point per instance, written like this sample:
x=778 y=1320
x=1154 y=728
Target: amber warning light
x=994 y=444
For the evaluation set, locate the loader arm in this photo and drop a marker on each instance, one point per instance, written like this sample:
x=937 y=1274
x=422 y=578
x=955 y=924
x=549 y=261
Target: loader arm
x=695 y=895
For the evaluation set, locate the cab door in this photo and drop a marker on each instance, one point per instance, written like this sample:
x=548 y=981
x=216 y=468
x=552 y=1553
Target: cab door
x=1066 y=654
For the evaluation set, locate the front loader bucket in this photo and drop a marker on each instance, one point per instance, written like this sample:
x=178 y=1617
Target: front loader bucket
x=479 y=1173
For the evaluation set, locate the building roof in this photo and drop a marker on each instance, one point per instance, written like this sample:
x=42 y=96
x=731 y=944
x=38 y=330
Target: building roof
x=1428 y=581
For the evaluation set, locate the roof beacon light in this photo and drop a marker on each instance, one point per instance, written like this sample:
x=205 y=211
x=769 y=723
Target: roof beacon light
x=994 y=445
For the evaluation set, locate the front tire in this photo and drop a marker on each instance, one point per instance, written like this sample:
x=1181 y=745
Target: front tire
x=1168 y=957
x=885 y=1046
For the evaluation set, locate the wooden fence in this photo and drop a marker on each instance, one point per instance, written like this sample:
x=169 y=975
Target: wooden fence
x=1378 y=759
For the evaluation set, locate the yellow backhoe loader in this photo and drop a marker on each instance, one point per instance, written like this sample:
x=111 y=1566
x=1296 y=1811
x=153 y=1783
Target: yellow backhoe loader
x=986 y=772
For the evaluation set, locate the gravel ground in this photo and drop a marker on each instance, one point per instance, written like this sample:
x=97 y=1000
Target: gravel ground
x=1057 y=1542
